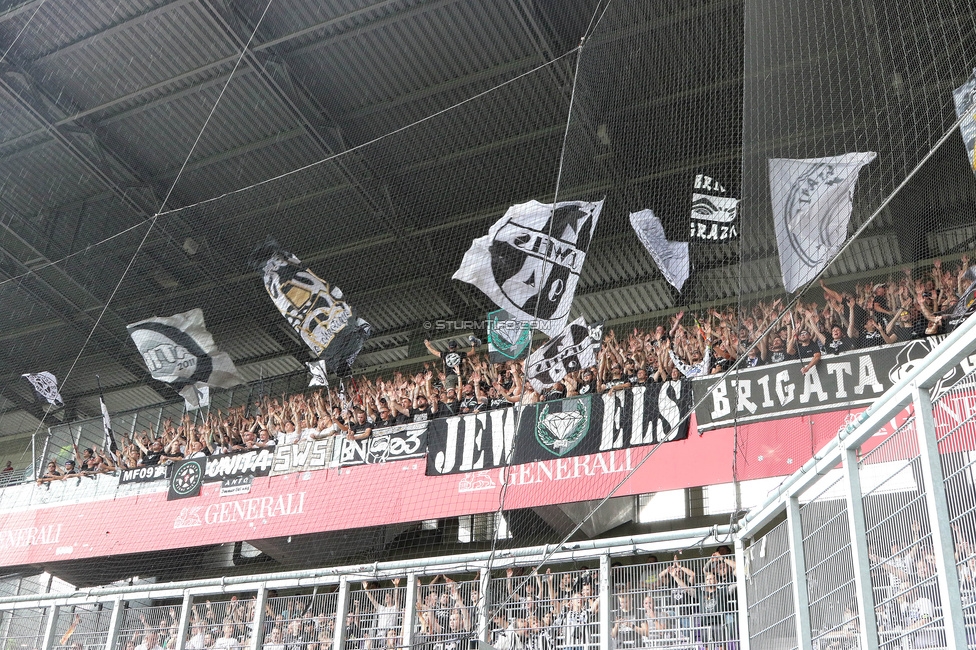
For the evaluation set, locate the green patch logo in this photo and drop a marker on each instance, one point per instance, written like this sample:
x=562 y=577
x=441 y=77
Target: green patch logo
x=507 y=337
x=561 y=431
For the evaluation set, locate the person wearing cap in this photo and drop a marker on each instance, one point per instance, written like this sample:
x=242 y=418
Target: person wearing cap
x=71 y=469
x=803 y=347
x=452 y=359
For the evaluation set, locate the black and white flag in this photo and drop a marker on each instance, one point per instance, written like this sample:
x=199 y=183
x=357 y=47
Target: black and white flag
x=714 y=211
x=109 y=442
x=670 y=256
x=196 y=396
x=180 y=351
x=320 y=374
x=530 y=261
x=45 y=387
x=813 y=200
x=965 y=99
x=317 y=310
x=573 y=349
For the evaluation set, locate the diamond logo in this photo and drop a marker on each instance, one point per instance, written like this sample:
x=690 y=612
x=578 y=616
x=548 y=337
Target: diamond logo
x=560 y=432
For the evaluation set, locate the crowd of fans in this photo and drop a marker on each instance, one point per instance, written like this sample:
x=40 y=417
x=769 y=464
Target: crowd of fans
x=464 y=381
x=677 y=603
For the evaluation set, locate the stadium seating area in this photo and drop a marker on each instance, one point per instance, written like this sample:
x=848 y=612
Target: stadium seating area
x=898 y=309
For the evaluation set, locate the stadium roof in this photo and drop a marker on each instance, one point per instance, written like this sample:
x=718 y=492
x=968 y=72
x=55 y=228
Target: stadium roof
x=103 y=103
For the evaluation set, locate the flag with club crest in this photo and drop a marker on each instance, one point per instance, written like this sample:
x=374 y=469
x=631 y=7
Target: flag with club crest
x=45 y=387
x=317 y=310
x=529 y=262
x=813 y=200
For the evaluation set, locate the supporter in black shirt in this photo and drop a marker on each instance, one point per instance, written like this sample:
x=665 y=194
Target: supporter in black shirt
x=51 y=474
x=421 y=412
x=451 y=404
x=385 y=417
x=641 y=379
x=360 y=428
x=838 y=342
x=869 y=337
x=453 y=359
x=558 y=391
x=753 y=358
x=616 y=381
x=469 y=400
x=152 y=456
x=803 y=348
x=588 y=383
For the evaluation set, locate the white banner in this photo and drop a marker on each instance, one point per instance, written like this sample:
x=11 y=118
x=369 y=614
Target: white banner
x=813 y=200
x=670 y=256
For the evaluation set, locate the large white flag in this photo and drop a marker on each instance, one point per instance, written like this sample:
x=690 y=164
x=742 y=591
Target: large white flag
x=671 y=256
x=196 y=396
x=530 y=261
x=813 y=200
x=180 y=351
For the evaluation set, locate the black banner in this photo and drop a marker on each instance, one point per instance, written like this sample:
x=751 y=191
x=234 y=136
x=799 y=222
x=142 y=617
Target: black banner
x=842 y=381
x=391 y=443
x=142 y=474
x=186 y=479
x=256 y=462
x=576 y=426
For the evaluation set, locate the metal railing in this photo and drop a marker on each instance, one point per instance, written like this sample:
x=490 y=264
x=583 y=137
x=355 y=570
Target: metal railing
x=877 y=546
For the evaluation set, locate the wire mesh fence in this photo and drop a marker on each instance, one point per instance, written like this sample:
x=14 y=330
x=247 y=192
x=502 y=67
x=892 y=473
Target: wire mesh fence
x=22 y=628
x=768 y=596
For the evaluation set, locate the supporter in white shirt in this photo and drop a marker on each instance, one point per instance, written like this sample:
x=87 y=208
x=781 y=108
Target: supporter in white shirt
x=196 y=641
x=291 y=434
x=150 y=642
x=228 y=641
x=273 y=642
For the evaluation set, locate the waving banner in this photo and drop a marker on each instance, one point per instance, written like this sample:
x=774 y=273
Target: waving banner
x=45 y=388
x=714 y=211
x=508 y=338
x=530 y=261
x=671 y=257
x=965 y=99
x=316 y=310
x=179 y=350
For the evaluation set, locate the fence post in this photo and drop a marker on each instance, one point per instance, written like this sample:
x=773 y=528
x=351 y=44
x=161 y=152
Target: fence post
x=801 y=600
x=409 y=611
x=47 y=642
x=342 y=604
x=184 y=624
x=604 y=600
x=114 y=623
x=260 y=601
x=741 y=595
x=868 y=629
x=938 y=511
x=484 y=583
